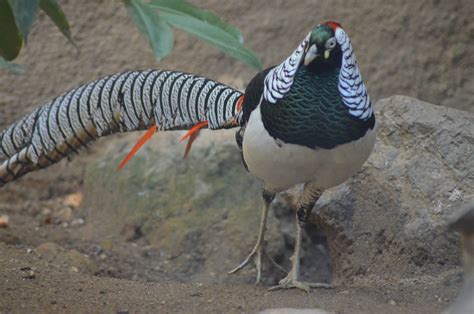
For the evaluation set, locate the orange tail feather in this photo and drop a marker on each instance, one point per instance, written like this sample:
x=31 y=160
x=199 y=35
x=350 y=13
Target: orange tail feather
x=193 y=130
x=192 y=134
x=240 y=102
x=138 y=145
x=190 y=143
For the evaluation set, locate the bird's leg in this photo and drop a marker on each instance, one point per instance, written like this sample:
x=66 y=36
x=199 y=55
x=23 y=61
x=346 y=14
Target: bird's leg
x=307 y=200
x=259 y=247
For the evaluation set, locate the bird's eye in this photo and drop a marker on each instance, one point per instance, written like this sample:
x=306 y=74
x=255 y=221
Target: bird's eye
x=331 y=43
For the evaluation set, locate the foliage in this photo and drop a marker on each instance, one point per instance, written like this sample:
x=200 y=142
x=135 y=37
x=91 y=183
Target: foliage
x=154 y=20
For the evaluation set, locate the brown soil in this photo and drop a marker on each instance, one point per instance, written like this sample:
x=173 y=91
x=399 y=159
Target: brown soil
x=419 y=48
x=32 y=283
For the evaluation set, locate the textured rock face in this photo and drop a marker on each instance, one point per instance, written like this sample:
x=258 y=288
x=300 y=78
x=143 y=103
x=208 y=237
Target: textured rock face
x=385 y=225
x=72 y=258
x=388 y=223
x=200 y=215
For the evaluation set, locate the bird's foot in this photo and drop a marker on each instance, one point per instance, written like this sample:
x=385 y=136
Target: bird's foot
x=291 y=282
x=256 y=255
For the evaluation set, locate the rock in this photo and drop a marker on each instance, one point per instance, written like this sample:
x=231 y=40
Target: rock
x=200 y=214
x=65 y=214
x=4 y=219
x=73 y=200
x=28 y=273
x=74 y=259
x=388 y=223
x=48 y=249
x=77 y=222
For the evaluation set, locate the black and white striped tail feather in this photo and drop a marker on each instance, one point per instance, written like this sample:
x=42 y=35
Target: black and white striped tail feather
x=123 y=102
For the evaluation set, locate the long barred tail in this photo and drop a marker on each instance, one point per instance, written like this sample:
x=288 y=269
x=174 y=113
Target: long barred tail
x=123 y=102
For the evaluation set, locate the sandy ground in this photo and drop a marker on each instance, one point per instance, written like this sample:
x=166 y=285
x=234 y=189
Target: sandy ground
x=34 y=284
x=423 y=49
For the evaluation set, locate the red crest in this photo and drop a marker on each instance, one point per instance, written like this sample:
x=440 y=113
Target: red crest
x=333 y=25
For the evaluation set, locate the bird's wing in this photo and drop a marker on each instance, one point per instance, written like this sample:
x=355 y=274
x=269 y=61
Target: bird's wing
x=124 y=102
x=253 y=94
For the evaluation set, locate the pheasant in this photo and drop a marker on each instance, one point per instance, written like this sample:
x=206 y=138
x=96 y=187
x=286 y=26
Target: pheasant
x=307 y=120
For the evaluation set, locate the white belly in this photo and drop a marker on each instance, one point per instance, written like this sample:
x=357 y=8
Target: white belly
x=283 y=166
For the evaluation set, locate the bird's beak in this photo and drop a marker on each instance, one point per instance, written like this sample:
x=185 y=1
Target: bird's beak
x=327 y=54
x=311 y=54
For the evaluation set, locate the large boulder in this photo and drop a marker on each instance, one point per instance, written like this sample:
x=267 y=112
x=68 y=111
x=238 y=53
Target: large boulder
x=385 y=225
x=388 y=223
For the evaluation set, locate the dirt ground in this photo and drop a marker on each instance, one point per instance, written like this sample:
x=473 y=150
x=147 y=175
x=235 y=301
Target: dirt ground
x=34 y=285
x=423 y=49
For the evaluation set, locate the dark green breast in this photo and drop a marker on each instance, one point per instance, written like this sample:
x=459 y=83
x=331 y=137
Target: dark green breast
x=312 y=113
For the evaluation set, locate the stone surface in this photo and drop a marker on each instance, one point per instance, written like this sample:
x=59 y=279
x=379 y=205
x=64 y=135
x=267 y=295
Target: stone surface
x=388 y=223
x=199 y=216
x=74 y=259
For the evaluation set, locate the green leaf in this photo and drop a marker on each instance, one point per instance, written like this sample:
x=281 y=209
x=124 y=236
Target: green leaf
x=12 y=67
x=25 y=14
x=184 y=8
x=56 y=14
x=207 y=32
x=11 y=41
x=153 y=27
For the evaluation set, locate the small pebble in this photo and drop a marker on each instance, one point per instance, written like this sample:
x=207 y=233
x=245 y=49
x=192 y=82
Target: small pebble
x=77 y=222
x=46 y=212
x=4 y=221
x=28 y=273
x=74 y=200
x=65 y=214
x=392 y=302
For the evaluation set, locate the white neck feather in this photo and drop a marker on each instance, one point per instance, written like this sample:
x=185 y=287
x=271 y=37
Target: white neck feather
x=351 y=86
x=279 y=80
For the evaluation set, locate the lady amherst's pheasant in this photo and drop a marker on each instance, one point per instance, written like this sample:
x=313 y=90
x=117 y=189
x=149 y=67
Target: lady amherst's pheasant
x=308 y=120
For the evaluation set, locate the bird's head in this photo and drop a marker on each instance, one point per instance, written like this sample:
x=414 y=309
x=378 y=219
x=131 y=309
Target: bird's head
x=322 y=47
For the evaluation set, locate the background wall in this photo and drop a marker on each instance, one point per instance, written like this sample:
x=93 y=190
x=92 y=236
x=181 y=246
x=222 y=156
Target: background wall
x=423 y=49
